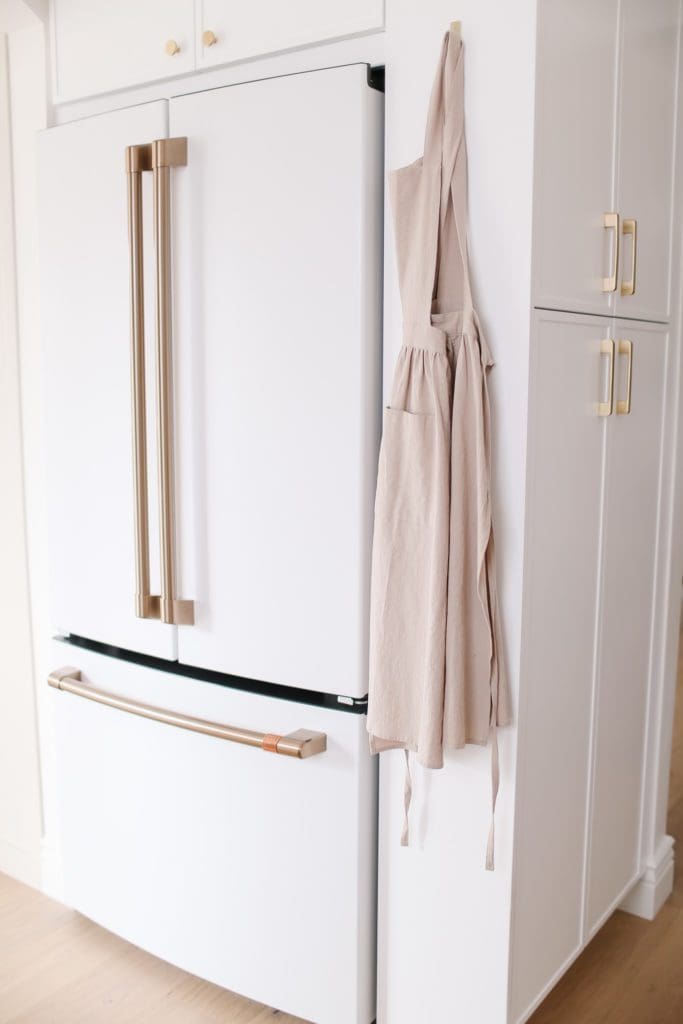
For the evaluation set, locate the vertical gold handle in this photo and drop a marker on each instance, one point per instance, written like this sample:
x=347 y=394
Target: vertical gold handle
x=607 y=349
x=138 y=160
x=630 y=227
x=166 y=153
x=611 y=222
x=625 y=348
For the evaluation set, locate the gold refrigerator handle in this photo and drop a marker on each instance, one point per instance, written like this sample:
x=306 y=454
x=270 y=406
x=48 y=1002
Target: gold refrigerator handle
x=166 y=153
x=139 y=160
x=301 y=744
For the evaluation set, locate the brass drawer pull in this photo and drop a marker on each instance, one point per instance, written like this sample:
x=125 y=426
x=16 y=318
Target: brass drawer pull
x=607 y=349
x=300 y=744
x=611 y=222
x=625 y=348
x=630 y=227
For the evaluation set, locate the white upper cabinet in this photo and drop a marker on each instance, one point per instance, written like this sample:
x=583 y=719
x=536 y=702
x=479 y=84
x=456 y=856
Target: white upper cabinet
x=574 y=173
x=99 y=46
x=646 y=144
x=277 y=267
x=606 y=138
x=86 y=323
x=230 y=30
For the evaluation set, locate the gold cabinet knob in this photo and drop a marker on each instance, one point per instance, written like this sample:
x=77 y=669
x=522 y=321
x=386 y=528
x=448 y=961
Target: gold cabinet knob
x=172 y=47
x=209 y=38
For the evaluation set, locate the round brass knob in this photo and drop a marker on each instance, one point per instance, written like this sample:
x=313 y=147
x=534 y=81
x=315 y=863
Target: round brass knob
x=209 y=38
x=172 y=47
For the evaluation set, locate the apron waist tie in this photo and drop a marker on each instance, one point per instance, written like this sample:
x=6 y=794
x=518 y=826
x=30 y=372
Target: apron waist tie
x=495 y=781
x=407 y=795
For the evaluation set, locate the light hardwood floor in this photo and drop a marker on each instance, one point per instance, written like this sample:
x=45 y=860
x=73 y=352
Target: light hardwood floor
x=58 y=968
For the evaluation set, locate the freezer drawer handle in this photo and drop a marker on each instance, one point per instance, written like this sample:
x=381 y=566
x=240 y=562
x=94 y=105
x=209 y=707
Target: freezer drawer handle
x=301 y=743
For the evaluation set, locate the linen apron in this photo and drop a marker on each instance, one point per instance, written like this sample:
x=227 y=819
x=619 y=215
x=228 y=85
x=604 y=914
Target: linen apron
x=436 y=679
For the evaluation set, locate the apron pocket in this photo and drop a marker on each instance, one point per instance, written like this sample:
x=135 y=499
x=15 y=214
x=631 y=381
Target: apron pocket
x=407 y=479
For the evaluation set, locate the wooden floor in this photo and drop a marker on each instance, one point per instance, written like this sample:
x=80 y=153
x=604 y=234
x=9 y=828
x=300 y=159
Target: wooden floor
x=58 y=968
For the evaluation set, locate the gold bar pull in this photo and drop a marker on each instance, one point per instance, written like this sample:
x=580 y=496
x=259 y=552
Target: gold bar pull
x=166 y=153
x=630 y=227
x=625 y=348
x=139 y=160
x=301 y=744
x=611 y=222
x=607 y=349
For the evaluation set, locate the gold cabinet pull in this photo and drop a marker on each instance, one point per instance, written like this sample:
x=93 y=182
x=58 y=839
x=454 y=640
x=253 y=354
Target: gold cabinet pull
x=630 y=227
x=301 y=744
x=172 y=48
x=607 y=349
x=138 y=160
x=209 y=38
x=611 y=223
x=625 y=348
x=166 y=153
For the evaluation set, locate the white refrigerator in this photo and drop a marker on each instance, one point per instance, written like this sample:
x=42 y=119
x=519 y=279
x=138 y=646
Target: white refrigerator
x=211 y=310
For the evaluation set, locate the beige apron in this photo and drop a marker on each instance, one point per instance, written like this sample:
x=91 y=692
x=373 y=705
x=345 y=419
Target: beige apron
x=436 y=680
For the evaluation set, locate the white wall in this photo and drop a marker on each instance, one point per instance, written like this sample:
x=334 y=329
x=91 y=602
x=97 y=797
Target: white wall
x=444 y=944
x=25 y=624
x=20 y=796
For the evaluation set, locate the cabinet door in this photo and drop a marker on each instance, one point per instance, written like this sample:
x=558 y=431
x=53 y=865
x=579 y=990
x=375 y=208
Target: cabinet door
x=575 y=90
x=86 y=323
x=565 y=470
x=632 y=486
x=99 y=45
x=264 y=26
x=278 y=222
x=648 y=83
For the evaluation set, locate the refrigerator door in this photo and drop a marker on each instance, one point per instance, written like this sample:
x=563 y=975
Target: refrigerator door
x=278 y=269
x=253 y=870
x=85 y=255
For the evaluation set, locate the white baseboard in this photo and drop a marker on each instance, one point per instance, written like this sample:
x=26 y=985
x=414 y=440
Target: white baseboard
x=651 y=891
x=24 y=865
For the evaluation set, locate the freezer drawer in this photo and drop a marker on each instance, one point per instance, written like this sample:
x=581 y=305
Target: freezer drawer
x=253 y=870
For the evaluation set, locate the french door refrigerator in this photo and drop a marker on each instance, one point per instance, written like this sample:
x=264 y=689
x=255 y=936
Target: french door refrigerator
x=211 y=271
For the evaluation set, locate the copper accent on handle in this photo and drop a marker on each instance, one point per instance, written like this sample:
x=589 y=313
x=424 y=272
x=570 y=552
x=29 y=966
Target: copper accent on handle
x=625 y=348
x=166 y=153
x=610 y=221
x=301 y=744
x=630 y=227
x=138 y=160
x=607 y=349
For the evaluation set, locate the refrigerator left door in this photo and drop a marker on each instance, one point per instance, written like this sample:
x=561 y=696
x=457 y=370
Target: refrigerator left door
x=85 y=268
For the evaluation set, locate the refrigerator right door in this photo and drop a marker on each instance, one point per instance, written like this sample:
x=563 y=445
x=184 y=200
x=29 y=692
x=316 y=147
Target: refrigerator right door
x=277 y=230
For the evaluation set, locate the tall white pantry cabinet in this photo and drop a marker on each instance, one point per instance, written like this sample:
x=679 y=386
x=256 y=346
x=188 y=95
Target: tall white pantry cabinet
x=574 y=137
x=597 y=475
